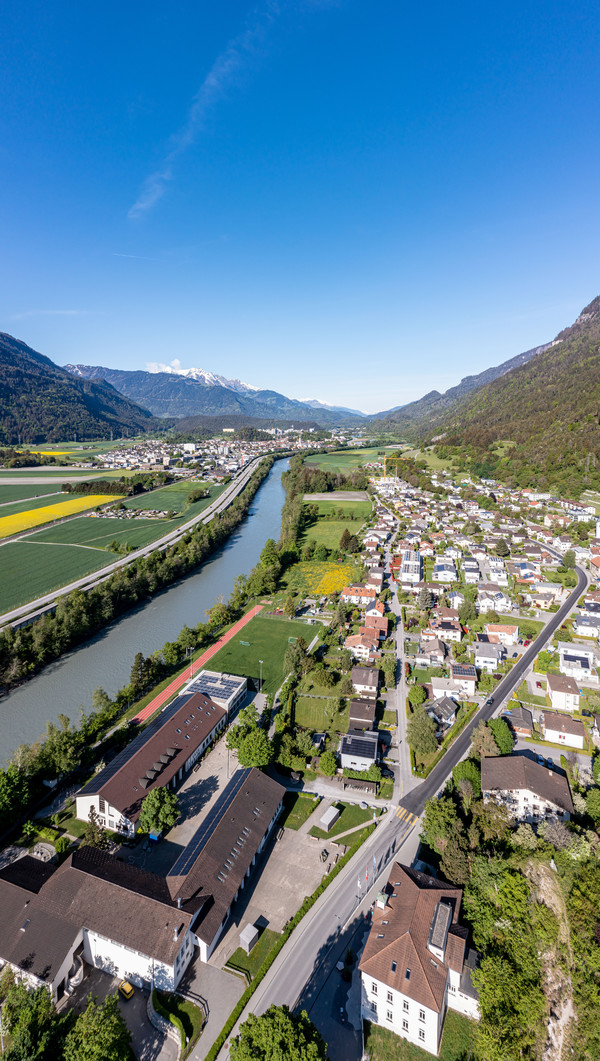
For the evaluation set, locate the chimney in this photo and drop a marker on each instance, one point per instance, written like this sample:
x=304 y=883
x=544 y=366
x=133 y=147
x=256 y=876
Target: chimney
x=179 y=902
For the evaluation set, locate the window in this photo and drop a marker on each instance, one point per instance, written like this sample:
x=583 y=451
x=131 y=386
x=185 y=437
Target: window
x=101 y=805
x=374 y=988
x=390 y=997
x=452 y=989
x=404 y=1025
x=407 y=974
x=394 y=966
x=421 y=1014
x=405 y=1006
x=389 y=1015
x=421 y=1033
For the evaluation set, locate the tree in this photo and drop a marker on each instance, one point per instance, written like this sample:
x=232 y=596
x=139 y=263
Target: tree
x=525 y=837
x=346 y=686
x=424 y=599
x=592 y=802
x=502 y=547
x=247 y=722
x=469 y=770
x=502 y=735
x=328 y=763
x=277 y=1034
x=95 y=834
x=416 y=695
x=99 y=1033
x=160 y=810
x=345 y=541
x=420 y=732
x=467 y=612
x=289 y=608
x=569 y=559
x=482 y=742
x=255 y=749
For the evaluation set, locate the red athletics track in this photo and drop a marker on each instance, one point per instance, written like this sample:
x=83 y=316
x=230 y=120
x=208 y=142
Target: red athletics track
x=198 y=664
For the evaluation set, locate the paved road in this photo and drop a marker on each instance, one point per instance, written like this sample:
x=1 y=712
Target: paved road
x=216 y=507
x=415 y=801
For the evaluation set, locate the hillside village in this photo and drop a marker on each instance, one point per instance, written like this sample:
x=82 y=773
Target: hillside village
x=449 y=585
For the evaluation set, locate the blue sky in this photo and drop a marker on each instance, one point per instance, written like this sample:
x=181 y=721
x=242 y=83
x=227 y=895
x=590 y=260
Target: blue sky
x=356 y=202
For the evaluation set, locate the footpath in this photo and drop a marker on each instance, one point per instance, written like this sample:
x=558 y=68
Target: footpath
x=197 y=665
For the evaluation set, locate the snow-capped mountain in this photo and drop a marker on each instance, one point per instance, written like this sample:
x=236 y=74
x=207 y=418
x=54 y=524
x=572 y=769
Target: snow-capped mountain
x=315 y=404
x=206 y=379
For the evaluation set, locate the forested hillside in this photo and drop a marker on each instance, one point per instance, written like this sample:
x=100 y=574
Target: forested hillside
x=40 y=402
x=539 y=424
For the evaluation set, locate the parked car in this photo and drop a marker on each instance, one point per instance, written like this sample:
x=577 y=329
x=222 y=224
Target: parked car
x=526 y=643
x=550 y=762
x=540 y=760
x=126 y=990
x=538 y=685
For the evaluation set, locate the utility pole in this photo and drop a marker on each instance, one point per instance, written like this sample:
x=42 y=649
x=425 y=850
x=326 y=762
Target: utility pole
x=260 y=682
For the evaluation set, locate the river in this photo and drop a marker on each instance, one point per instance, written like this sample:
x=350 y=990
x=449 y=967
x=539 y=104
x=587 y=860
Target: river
x=66 y=686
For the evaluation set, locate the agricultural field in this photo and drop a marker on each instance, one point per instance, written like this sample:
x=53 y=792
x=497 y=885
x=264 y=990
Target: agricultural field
x=11 y=494
x=35 y=517
x=348 y=459
x=265 y=638
x=29 y=570
x=98 y=533
x=173 y=498
x=345 y=509
x=309 y=578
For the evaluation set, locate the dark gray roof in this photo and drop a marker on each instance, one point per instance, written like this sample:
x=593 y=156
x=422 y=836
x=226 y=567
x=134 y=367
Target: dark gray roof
x=358 y=742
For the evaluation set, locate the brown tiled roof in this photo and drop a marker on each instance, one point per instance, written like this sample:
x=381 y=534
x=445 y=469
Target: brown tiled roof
x=502 y=772
x=183 y=734
x=362 y=714
x=559 y=683
x=412 y=902
x=562 y=723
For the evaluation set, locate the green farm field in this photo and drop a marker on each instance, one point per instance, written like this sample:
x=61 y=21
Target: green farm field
x=31 y=570
x=10 y=494
x=268 y=639
x=346 y=460
x=97 y=533
x=357 y=509
x=328 y=532
x=49 y=498
x=174 y=498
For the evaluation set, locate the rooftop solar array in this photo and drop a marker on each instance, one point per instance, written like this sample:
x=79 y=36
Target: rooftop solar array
x=223 y=686
x=359 y=745
x=464 y=670
x=207 y=827
x=134 y=746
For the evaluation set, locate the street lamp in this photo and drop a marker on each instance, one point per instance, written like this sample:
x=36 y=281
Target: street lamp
x=189 y=654
x=260 y=682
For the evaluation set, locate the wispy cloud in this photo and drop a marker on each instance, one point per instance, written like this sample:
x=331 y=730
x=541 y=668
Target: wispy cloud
x=138 y=257
x=49 y=313
x=238 y=54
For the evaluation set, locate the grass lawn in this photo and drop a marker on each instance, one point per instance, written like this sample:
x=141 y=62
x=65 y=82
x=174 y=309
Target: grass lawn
x=522 y=693
x=329 y=531
x=310 y=578
x=389 y=718
x=357 y=510
x=386 y=789
x=351 y=816
x=457 y=1042
x=297 y=808
x=268 y=639
x=191 y=1016
x=251 y=963
x=310 y=712
x=28 y=571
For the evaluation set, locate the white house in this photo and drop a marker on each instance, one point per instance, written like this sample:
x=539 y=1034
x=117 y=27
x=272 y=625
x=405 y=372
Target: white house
x=563 y=692
x=562 y=729
x=578 y=661
x=444 y=570
x=503 y=633
x=359 y=749
x=411 y=568
x=531 y=791
x=488 y=656
x=416 y=963
x=465 y=676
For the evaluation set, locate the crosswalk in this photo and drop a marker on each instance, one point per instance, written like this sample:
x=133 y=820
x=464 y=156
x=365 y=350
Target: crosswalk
x=405 y=815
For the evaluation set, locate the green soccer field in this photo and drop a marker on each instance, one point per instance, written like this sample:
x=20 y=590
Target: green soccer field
x=28 y=570
x=268 y=639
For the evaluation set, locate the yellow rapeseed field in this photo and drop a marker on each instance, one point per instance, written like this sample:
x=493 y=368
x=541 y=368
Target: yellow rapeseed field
x=34 y=517
x=321 y=579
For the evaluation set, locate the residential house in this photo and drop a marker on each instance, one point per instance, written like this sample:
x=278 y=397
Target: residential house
x=520 y=720
x=563 y=692
x=531 y=791
x=359 y=749
x=491 y=598
x=416 y=963
x=502 y=633
x=378 y=625
x=362 y=714
x=358 y=594
x=411 y=569
x=363 y=646
x=375 y=610
x=562 y=729
x=444 y=570
x=578 y=661
x=365 y=681
x=432 y=652
x=586 y=625
x=488 y=656
x=442 y=711
x=446 y=687
x=465 y=676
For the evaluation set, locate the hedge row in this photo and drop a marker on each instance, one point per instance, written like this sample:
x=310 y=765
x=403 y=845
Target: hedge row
x=285 y=935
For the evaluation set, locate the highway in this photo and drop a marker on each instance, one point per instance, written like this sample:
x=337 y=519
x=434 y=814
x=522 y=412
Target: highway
x=302 y=965
x=217 y=506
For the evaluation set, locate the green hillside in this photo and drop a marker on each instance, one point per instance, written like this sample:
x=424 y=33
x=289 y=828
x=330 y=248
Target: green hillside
x=549 y=408
x=40 y=402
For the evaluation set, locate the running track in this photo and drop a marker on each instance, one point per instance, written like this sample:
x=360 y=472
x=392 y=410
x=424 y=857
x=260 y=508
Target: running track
x=201 y=662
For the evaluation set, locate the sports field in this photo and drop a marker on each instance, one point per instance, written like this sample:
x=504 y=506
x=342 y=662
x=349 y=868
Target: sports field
x=268 y=638
x=30 y=570
x=36 y=516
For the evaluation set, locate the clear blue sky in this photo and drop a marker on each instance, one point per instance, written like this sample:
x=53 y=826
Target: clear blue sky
x=337 y=199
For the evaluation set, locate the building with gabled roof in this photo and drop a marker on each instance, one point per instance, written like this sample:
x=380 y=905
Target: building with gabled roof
x=416 y=962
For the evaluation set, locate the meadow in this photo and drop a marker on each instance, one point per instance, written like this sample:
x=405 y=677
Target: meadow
x=319 y=579
x=349 y=509
x=346 y=460
x=28 y=570
x=173 y=498
x=98 y=533
x=35 y=517
x=268 y=638
x=328 y=532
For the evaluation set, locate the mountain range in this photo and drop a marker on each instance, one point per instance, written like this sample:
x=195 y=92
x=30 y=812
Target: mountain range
x=40 y=402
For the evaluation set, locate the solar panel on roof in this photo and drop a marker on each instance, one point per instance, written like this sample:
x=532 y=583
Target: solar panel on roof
x=206 y=829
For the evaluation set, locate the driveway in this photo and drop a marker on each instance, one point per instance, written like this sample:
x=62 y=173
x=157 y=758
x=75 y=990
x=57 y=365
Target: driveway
x=148 y=1043
x=583 y=761
x=219 y=989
